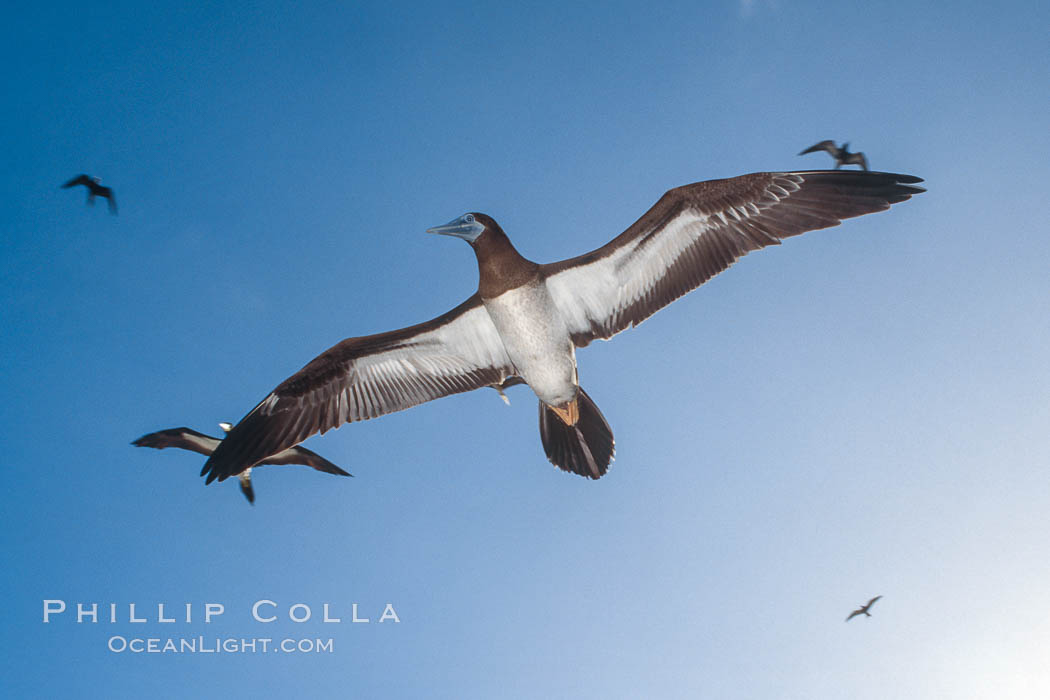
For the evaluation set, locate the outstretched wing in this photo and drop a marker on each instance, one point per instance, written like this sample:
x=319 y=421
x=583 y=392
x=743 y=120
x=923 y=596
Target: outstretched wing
x=828 y=146
x=79 y=180
x=872 y=601
x=854 y=614
x=362 y=378
x=183 y=438
x=309 y=458
x=696 y=231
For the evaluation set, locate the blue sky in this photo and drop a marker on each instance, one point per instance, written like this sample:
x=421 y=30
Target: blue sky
x=861 y=411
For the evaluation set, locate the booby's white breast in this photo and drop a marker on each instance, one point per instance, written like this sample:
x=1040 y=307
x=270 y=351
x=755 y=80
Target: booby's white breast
x=537 y=341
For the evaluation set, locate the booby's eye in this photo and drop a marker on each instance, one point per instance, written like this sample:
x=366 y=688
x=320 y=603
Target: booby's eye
x=470 y=218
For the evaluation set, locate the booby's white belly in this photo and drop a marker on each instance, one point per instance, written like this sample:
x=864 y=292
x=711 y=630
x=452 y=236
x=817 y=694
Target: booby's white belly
x=537 y=341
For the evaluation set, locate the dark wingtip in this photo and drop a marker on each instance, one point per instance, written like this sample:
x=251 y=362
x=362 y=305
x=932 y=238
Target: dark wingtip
x=905 y=179
x=211 y=470
x=147 y=440
x=894 y=187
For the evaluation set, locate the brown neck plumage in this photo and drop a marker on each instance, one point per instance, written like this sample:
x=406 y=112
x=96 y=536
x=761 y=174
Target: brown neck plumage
x=500 y=266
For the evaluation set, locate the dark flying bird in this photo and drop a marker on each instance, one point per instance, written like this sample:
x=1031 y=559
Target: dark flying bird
x=94 y=189
x=205 y=444
x=842 y=155
x=526 y=319
x=863 y=610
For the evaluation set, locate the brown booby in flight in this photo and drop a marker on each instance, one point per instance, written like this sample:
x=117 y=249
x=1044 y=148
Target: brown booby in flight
x=863 y=610
x=842 y=155
x=527 y=319
x=94 y=189
x=205 y=444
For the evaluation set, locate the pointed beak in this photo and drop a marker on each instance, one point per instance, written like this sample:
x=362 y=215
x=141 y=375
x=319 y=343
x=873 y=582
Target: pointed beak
x=464 y=227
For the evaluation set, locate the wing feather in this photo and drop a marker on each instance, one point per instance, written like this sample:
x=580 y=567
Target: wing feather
x=183 y=438
x=694 y=232
x=81 y=179
x=363 y=378
x=305 y=457
x=826 y=145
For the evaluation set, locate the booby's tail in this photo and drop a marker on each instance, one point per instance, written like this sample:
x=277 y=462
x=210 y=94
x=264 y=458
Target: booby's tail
x=586 y=447
x=245 y=478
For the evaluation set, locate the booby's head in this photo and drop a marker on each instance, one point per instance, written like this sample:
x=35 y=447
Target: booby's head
x=226 y=427
x=470 y=227
x=500 y=266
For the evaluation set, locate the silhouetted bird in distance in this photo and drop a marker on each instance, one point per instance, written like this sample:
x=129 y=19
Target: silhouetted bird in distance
x=863 y=610
x=94 y=189
x=187 y=439
x=842 y=155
